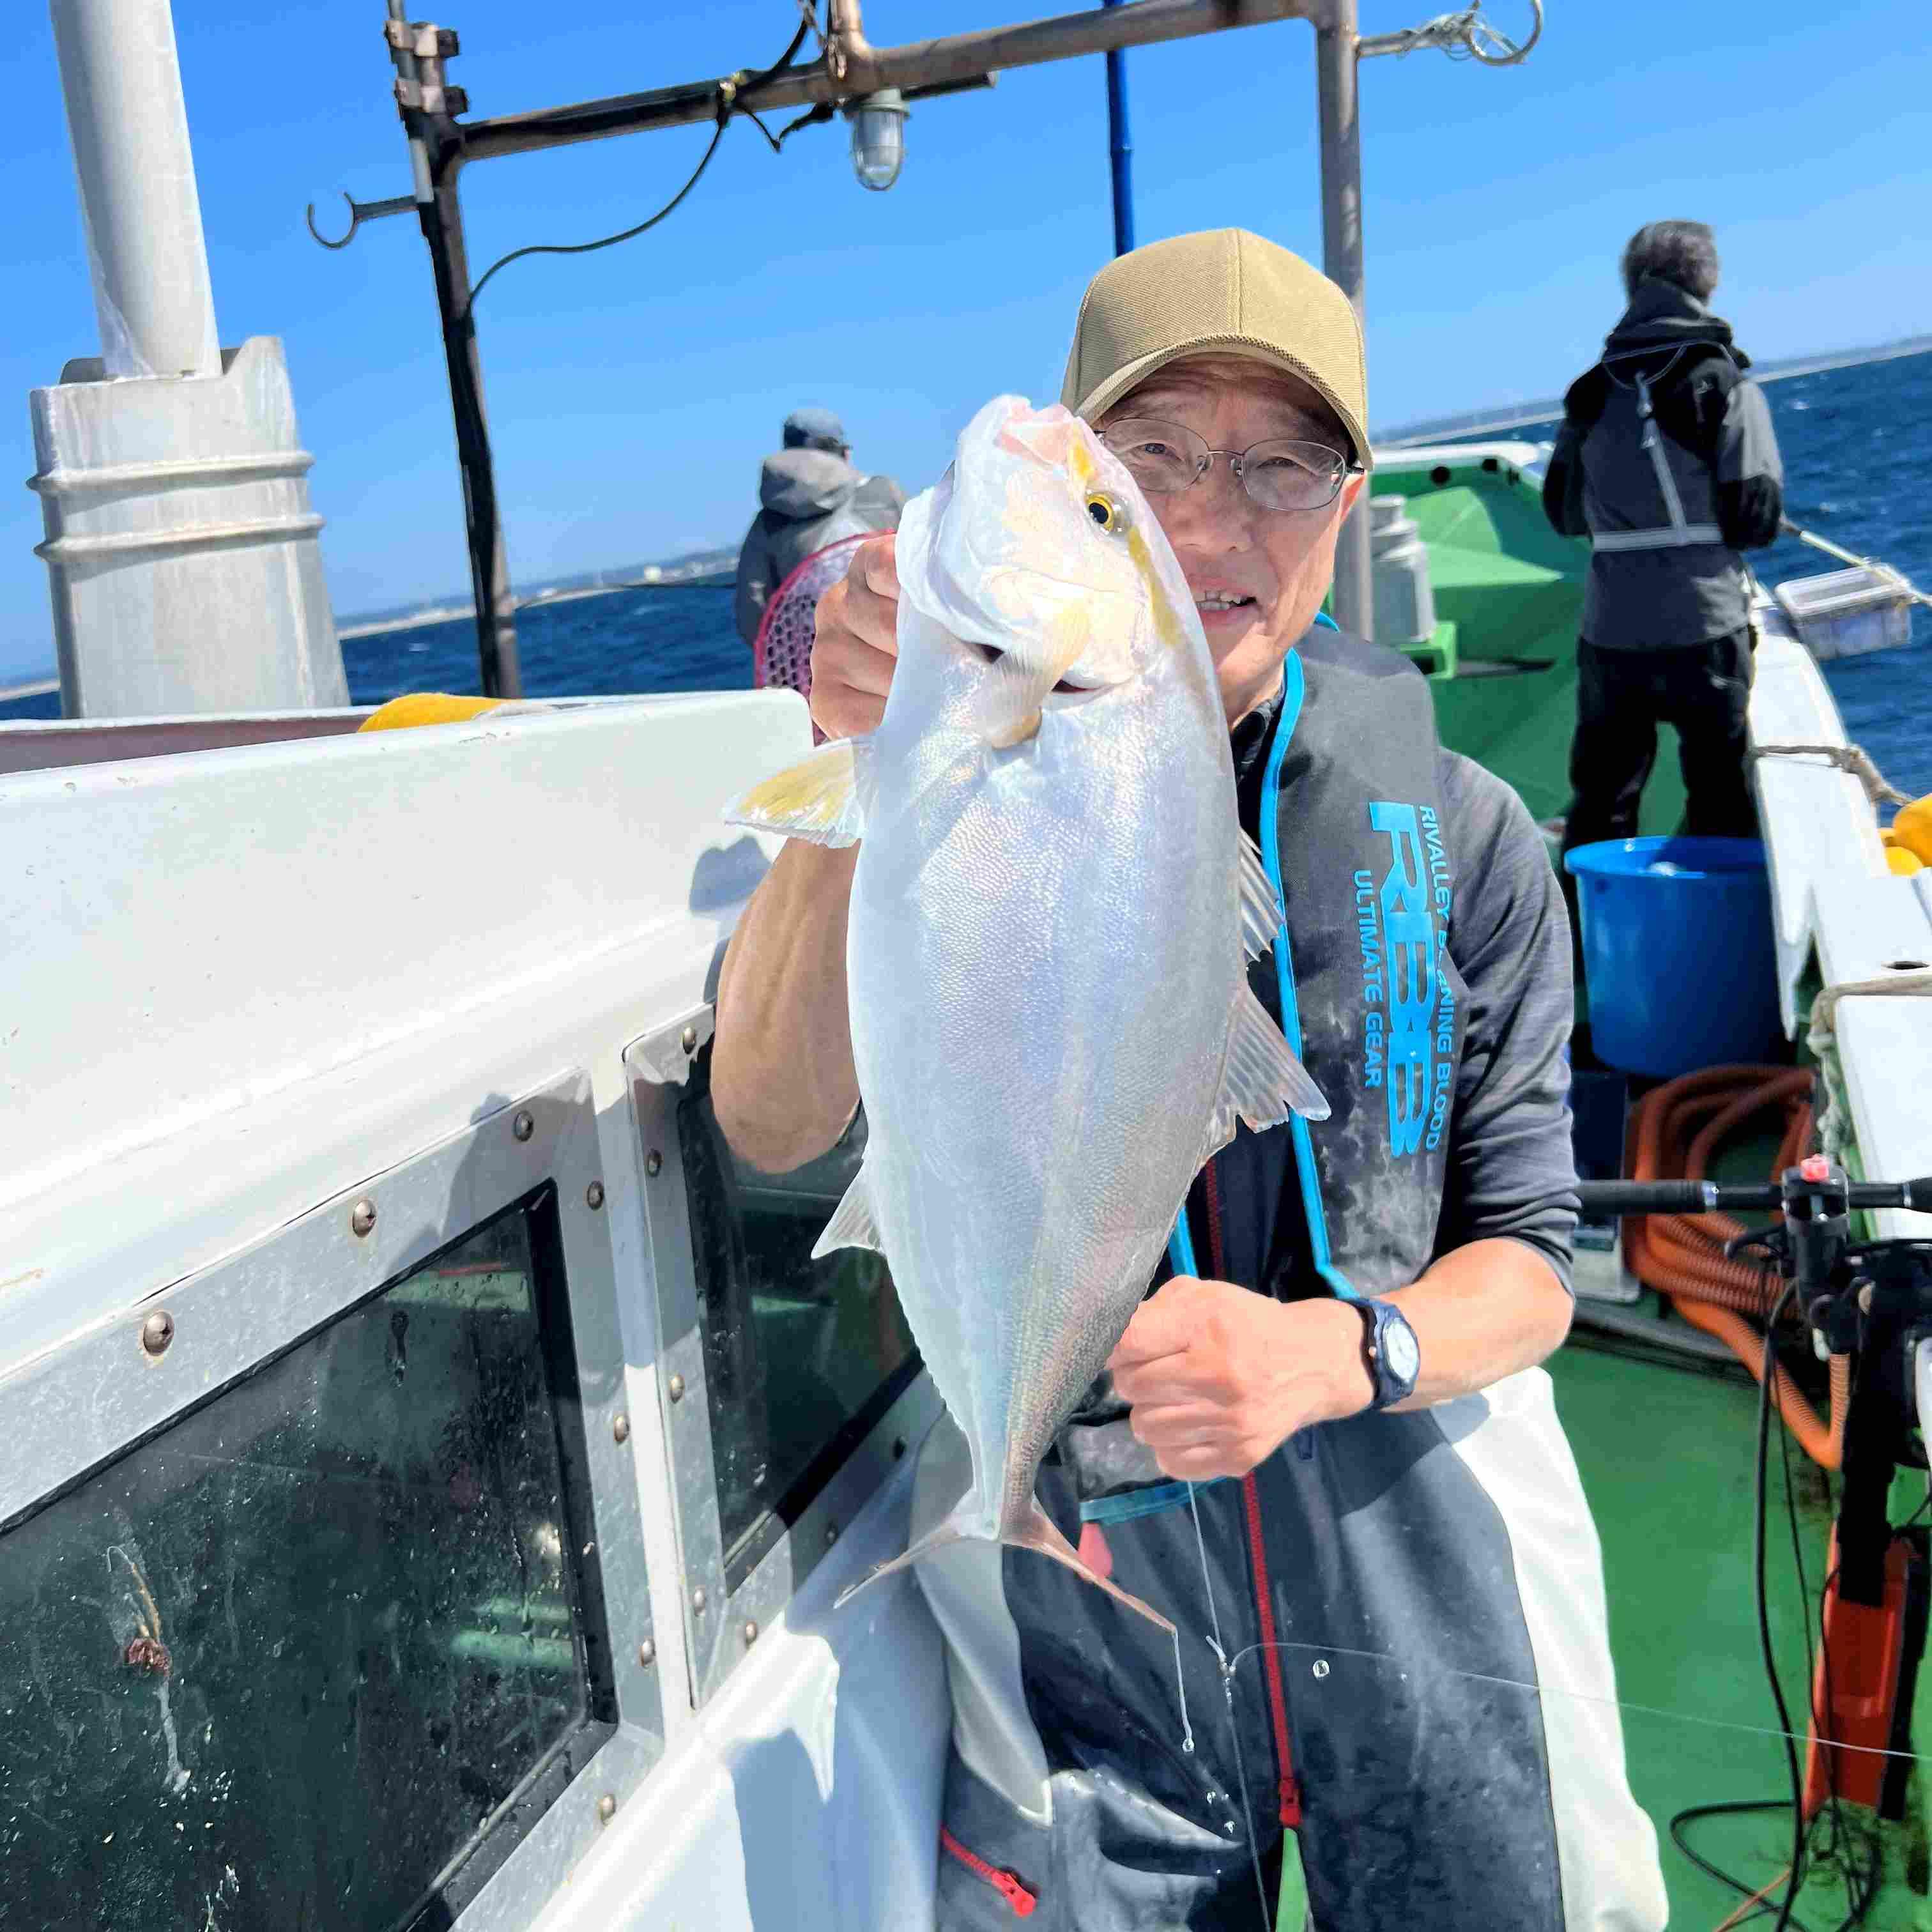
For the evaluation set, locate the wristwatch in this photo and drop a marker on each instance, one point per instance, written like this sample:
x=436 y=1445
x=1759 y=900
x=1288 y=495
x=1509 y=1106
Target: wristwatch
x=1390 y=1352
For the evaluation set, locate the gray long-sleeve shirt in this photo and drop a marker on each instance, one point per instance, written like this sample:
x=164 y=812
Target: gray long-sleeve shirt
x=1512 y=1174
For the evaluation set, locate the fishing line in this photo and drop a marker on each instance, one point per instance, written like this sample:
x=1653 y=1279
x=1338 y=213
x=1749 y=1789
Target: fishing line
x=1234 y=1722
x=1580 y=1696
x=1181 y=1255
x=1180 y=1691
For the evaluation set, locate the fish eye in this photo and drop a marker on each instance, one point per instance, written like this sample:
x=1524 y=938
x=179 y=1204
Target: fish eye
x=1111 y=517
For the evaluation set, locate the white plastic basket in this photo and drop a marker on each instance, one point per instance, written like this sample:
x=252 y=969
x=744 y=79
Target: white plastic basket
x=1844 y=614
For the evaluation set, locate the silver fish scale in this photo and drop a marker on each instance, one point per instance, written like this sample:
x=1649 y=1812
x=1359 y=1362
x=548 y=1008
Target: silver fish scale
x=1044 y=954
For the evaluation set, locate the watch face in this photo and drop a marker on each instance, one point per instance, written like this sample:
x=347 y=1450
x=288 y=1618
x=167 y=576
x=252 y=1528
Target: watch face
x=1400 y=1350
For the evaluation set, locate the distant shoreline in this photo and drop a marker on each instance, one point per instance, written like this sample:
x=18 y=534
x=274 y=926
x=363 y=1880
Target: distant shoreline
x=1501 y=416
x=1495 y=420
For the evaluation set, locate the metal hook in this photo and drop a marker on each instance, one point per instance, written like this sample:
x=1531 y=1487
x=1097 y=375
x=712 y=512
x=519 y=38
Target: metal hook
x=360 y=212
x=1463 y=36
x=1512 y=53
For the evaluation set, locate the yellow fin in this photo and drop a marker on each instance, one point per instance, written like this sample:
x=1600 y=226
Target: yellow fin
x=818 y=800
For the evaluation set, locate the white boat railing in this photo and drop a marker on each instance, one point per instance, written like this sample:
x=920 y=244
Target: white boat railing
x=1840 y=918
x=343 y=1078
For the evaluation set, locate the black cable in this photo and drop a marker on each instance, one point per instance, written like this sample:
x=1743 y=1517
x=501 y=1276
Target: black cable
x=608 y=241
x=730 y=96
x=1858 y=1900
x=1770 y=1366
x=808 y=22
x=824 y=111
x=1840 y=1835
x=1691 y=1812
x=1858 y=1903
x=775 y=142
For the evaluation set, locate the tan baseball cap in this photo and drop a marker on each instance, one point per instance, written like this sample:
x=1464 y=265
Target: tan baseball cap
x=1225 y=291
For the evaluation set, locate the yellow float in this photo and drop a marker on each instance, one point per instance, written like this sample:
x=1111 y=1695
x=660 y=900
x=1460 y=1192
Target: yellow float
x=1913 y=829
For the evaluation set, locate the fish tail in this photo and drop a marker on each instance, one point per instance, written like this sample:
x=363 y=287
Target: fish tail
x=1037 y=1532
x=1031 y=1529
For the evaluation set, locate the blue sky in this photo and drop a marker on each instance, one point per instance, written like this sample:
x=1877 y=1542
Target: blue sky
x=633 y=392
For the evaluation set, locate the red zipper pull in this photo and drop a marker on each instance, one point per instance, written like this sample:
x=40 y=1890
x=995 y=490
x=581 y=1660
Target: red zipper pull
x=1009 y=1888
x=1015 y=1894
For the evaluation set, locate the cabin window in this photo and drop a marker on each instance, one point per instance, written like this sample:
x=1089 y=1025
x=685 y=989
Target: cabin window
x=802 y=1358
x=322 y=1649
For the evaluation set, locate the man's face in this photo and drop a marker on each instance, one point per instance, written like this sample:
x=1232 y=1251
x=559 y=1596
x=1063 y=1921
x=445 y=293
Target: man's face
x=1264 y=573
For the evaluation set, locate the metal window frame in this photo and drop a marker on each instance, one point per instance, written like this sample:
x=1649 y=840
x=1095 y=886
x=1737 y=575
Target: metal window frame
x=722 y=1626
x=76 y=1409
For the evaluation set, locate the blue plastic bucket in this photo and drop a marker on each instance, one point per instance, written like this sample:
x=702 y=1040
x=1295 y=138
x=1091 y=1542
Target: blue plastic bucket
x=1678 y=959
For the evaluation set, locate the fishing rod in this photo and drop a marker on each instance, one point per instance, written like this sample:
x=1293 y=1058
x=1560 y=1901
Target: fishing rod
x=1870 y=1302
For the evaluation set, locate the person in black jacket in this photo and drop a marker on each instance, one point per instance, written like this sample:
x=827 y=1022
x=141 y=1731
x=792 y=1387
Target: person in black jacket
x=1666 y=462
x=809 y=496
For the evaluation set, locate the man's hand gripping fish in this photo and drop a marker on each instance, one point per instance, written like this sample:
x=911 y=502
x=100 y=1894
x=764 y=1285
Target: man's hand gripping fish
x=1052 y=913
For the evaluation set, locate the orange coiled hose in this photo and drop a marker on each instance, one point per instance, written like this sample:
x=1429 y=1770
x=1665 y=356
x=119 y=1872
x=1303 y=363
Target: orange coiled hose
x=1678 y=1126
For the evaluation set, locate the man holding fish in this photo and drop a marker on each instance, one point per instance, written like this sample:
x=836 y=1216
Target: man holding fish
x=1097 y=762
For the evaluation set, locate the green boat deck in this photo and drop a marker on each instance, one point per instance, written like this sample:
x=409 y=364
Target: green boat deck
x=1513 y=588
x=1667 y=1455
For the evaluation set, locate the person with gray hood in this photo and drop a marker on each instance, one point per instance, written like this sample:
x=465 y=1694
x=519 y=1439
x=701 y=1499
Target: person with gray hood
x=1667 y=463
x=811 y=496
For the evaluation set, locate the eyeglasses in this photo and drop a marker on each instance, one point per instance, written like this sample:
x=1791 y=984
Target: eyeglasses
x=1166 y=457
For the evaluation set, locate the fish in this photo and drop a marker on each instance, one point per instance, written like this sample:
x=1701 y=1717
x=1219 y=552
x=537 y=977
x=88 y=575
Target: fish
x=1053 y=910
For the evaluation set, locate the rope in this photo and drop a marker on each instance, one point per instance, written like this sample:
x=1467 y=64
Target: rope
x=1824 y=1007
x=1852 y=758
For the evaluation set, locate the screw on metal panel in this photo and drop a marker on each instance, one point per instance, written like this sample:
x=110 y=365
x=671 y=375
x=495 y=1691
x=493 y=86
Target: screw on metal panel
x=831 y=1535
x=1321 y=1666
x=593 y=1194
x=620 y=1427
x=698 y=1599
x=157 y=1331
x=687 y=1040
x=362 y=1217
x=750 y=1631
x=653 y=1161
x=524 y=1126
x=675 y=1388
x=607 y=1809
x=647 y=1652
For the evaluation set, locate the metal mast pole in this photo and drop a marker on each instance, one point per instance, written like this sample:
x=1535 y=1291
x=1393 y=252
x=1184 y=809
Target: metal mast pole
x=489 y=562
x=436 y=159
x=182 y=564
x=1119 y=149
x=851 y=68
x=122 y=80
x=1335 y=49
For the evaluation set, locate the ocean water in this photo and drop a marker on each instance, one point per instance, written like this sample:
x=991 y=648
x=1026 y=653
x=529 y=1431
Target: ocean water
x=1857 y=444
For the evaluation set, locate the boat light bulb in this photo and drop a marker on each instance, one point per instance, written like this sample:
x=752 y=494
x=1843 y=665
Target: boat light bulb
x=878 y=137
